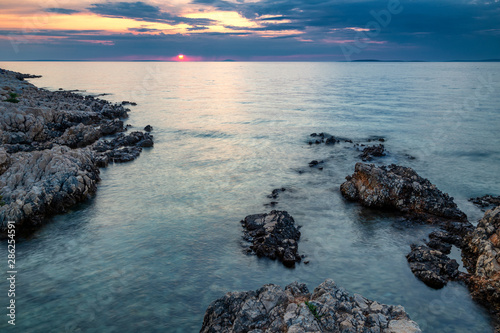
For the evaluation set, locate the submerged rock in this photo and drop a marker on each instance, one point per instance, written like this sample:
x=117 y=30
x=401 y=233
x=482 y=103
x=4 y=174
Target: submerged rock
x=293 y=309
x=401 y=189
x=372 y=151
x=274 y=236
x=276 y=192
x=431 y=266
x=486 y=202
x=481 y=254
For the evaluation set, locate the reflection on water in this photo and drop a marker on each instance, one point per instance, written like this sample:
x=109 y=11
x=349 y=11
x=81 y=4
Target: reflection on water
x=161 y=239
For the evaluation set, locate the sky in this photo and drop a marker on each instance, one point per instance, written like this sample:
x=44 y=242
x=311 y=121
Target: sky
x=250 y=30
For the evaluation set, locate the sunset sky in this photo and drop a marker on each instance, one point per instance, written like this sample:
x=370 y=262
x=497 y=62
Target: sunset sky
x=316 y=30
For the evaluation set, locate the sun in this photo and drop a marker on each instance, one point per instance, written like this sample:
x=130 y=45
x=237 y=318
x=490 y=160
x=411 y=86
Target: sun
x=180 y=57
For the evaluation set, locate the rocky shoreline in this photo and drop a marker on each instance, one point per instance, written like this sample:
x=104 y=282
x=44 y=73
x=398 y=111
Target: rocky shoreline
x=52 y=147
x=390 y=188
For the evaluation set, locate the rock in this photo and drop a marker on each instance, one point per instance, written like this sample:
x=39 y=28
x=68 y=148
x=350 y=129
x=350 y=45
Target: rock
x=331 y=141
x=431 y=266
x=323 y=137
x=486 y=202
x=372 y=151
x=125 y=154
x=401 y=189
x=41 y=183
x=274 y=236
x=148 y=128
x=442 y=240
x=79 y=136
x=4 y=160
x=328 y=309
x=112 y=127
x=446 y=237
x=439 y=245
x=276 y=192
x=49 y=153
x=315 y=163
x=481 y=254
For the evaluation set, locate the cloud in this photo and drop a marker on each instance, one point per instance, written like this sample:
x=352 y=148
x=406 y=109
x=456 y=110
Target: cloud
x=141 y=11
x=143 y=30
x=61 y=11
x=425 y=29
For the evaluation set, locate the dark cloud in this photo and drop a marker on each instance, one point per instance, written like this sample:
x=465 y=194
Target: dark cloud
x=142 y=11
x=197 y=28
x=143 y=30
x=61 y=11
x=423 y=30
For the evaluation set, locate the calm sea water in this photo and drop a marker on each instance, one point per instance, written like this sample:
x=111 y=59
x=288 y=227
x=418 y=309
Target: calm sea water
x=162 y=238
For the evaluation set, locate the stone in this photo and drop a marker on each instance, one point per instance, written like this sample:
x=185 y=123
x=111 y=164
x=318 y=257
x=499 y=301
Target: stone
x=486 y=202
x=328 y=309
x=481 y=255
x=400 y=189
x=372 y=151
x=274 y=236
x=51 y=148
x=431 y=266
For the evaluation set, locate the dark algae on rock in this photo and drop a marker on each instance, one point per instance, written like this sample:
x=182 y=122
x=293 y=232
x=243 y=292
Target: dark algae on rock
x=51 y=148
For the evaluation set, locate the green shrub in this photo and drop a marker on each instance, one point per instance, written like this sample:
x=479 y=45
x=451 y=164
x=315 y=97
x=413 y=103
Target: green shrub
x=314 y=310
x=13 y=98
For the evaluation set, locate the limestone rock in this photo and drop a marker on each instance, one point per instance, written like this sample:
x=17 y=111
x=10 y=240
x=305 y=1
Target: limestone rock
x=328 y=309
x=401 y=189
x=482 y=257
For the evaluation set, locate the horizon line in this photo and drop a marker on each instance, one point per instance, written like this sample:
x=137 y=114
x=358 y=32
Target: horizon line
x=232 y=60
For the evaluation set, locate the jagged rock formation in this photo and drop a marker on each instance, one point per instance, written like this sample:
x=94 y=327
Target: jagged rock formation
x=486 y=201
x=273 y=235
x=328 y=309
x=401 y=189
x=51 y=150
x=481 y=255
x=372 y=151
x=432 y=266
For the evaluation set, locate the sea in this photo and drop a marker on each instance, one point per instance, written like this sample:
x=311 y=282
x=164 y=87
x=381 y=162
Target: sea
x=162 y=237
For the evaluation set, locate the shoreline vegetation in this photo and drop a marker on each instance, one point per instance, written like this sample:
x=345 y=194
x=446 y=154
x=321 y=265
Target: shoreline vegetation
x=53 y=144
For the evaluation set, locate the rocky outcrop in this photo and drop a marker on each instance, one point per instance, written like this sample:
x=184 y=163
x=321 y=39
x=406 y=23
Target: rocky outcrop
x=123 y=148
x=481 y=255
x=432 y=266
x=49 y=156
x=293 y=309
x=273 y=235
x=486 y=201
x=401 y=189
x=372 y=151
x=42 y=183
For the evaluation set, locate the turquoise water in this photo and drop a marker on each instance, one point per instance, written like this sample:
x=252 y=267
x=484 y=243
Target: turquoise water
x=162 y=238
